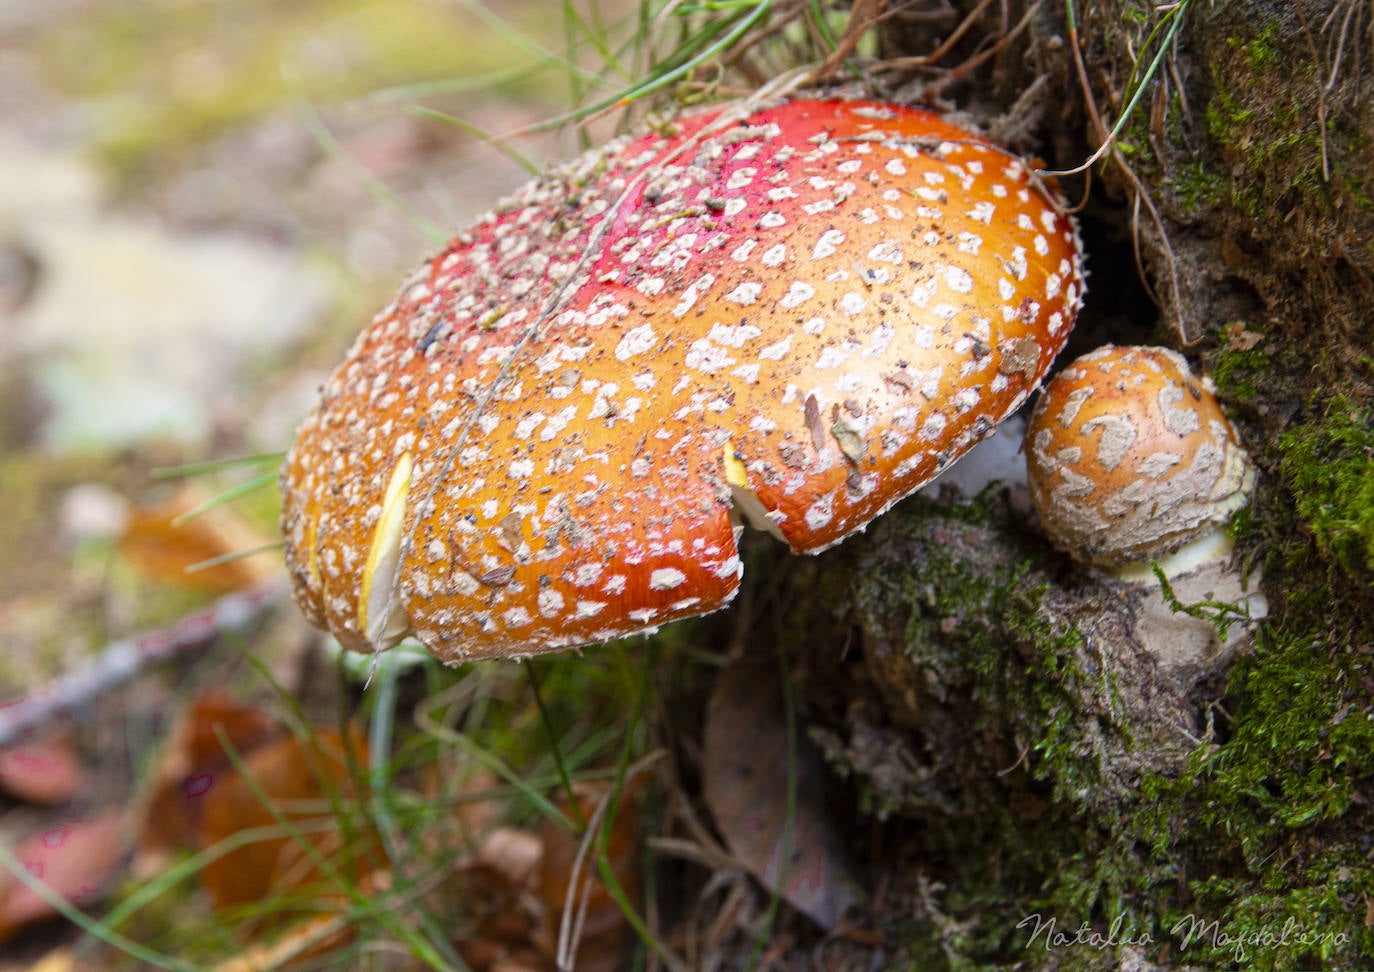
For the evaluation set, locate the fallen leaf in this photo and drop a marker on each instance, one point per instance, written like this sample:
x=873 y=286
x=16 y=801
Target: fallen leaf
x=490 y=886
x=190 y=764
x=745 y=778
x=41 y=770
x=568 y=878
x=297 y=778
x=1240 y=338
x=76 y=859
x=497 y=917
x=512 y=853
x=164 y=547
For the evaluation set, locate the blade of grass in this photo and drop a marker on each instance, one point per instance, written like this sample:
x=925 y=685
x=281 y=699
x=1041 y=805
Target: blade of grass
x=188 y=867
x=789 y=712
x=85 y=922
x=1175 y=16
x=231 y=557
x=576 y=26
x=366 y=904
x=301 y=727
x=225 y=496
x=215 y=465
x=332 y=147
x=554 y=749
x=379 y=743
x=661 y=79
x=518 y=39
x=498 y=766
x=447 y=86
x=624 y=771
x=502 y=145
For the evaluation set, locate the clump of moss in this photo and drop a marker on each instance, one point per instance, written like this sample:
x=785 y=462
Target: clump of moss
x=1329 y=467
x=1034 y=792
x=1004 y=731
x=980 y=629
x=1240 y=373
x=1277 y=137
x=1260 y=51
x=1196 y=187
x=1269 y=827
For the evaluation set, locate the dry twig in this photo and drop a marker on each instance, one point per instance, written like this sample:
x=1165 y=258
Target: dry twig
x=121 y=660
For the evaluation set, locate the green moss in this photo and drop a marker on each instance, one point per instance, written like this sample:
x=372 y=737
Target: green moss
x=1195 y=186
x=1268 y=827
x=1329 y=467
x=1226 y=113
x=1297 y=164
x=1037 y=832
x=1297 y=731
x=1254 y=855
x=969 y=615
x=1260 y=114
x=1240 y=374
x=1260 y=51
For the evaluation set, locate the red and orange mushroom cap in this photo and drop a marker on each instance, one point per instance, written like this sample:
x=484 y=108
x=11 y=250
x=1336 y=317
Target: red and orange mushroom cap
x=798 y=315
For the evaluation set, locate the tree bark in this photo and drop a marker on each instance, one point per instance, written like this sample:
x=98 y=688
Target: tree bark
x=1046 y=788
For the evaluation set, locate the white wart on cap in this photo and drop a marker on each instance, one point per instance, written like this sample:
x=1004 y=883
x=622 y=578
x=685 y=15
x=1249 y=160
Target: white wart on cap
x=1130 y=458
x=798 y=316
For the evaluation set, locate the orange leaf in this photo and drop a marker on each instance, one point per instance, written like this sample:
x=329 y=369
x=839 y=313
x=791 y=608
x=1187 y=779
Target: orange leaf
x=191 y=763
x=605 y=940
x=163 y=548
x=297 y=778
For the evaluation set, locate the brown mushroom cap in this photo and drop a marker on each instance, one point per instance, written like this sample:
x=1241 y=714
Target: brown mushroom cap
x=800 y=315
x=1130 y=457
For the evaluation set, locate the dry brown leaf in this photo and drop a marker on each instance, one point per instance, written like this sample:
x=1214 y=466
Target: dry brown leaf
x=605 y=940
x=745 y=778
x=41 y=771
x=192 y=762
x=504 y=941
x=76 y=859
x=163 y=548
x=1240 y=338
x=512 y=853
x=297 y=777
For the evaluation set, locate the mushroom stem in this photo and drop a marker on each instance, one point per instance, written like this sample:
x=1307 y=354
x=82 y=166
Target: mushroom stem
x=1213 y=545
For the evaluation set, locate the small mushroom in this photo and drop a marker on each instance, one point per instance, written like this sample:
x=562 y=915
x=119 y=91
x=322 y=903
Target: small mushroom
x=1132 y=461
x=793 y=316
x=1130 y=458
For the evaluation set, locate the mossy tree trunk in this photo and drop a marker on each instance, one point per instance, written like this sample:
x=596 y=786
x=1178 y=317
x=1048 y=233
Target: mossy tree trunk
x=993 y=708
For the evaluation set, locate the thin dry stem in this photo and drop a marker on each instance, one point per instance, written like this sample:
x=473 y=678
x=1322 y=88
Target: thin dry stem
x=122 y=660
x=1140 y=196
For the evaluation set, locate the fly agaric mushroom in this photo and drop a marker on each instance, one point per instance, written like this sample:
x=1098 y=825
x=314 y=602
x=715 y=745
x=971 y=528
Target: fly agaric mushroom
x=796 y=316
x=1130 y=458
